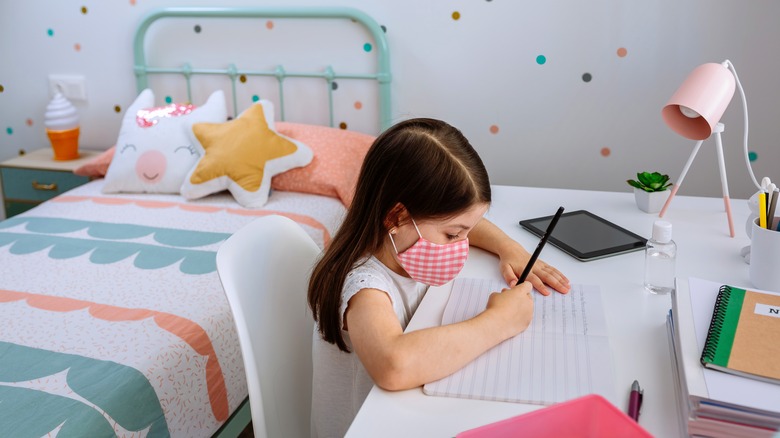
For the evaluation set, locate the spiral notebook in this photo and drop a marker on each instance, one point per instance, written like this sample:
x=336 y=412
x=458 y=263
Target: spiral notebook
x=744 y=334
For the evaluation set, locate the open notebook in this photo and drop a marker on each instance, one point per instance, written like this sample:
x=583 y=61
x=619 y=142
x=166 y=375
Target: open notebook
x=563 y=354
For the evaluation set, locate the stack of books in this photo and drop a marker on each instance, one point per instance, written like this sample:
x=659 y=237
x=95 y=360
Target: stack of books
x=725 y=359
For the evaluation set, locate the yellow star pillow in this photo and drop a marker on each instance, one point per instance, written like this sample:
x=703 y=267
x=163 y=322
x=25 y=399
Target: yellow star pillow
x=242 y=156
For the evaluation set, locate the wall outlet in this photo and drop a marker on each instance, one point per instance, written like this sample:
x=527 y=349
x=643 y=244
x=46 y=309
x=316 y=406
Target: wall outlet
x=73 y=87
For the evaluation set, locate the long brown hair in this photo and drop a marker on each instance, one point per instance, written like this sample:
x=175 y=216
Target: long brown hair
x=427 y=166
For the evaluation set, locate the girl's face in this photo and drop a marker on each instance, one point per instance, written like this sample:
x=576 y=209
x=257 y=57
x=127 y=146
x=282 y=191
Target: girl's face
x=440 y=231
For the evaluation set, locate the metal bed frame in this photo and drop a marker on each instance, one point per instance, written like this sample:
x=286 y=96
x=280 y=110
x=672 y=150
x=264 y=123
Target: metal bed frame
x=382 y=74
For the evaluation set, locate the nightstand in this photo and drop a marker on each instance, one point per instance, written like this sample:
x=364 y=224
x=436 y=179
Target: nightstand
x=32 y=178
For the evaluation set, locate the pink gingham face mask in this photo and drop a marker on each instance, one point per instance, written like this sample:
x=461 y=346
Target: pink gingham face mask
x=431 y=263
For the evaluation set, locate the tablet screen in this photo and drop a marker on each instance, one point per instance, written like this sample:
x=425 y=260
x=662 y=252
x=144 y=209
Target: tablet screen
x=586 y=236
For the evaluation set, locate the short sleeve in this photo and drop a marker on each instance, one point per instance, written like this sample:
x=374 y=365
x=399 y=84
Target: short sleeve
x=364 y=277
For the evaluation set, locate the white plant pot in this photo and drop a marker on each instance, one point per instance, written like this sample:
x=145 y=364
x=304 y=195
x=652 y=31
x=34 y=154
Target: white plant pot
x=650 y=202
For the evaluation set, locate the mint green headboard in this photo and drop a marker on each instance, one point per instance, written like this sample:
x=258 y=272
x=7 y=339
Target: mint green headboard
x=381 y=76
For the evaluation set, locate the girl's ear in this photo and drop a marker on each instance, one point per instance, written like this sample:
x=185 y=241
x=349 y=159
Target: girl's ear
x=396 y=216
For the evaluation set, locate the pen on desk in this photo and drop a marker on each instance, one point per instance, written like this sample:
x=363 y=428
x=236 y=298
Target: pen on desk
x=539 y=247
x=635 y=401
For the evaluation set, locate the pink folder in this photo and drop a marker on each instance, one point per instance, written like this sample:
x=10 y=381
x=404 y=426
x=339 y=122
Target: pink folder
x=583 y=417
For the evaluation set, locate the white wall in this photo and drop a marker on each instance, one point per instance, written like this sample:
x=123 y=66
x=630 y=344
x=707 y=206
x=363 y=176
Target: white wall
x=479 y=71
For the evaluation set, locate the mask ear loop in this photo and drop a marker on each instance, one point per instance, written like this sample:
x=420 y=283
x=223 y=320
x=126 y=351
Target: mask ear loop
x=415 y=227
x=392 y=231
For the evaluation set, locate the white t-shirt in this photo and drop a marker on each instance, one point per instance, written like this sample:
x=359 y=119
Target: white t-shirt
x=341 y=383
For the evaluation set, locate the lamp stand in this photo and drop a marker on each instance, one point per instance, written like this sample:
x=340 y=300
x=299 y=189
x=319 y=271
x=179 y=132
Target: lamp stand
x=723 y=181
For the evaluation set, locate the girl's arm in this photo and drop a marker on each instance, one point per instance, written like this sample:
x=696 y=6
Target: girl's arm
x=513 y=258
x=396 y=360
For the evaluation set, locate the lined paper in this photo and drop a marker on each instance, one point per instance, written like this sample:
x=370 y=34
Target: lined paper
x=563 y=354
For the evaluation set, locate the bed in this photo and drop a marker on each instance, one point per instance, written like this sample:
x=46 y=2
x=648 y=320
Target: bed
x=112 y=317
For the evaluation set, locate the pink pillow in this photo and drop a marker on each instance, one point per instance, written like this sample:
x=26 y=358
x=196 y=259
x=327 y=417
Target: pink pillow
x=98 y=166
x=338 y=155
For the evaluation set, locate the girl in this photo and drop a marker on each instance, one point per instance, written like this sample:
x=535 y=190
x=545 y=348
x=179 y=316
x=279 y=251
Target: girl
x=419 y=202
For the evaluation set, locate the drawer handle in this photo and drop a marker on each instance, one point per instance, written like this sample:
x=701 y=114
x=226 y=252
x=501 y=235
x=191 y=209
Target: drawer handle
x=38 y=186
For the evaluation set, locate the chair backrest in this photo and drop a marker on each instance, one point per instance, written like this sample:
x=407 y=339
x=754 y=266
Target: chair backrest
x=264 y=269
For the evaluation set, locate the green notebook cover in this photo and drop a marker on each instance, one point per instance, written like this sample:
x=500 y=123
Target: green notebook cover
x=743 y=334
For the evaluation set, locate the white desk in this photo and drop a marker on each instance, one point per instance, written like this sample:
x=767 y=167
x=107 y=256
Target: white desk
x=636 y=320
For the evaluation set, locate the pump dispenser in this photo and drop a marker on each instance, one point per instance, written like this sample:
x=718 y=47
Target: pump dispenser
x=660 y=259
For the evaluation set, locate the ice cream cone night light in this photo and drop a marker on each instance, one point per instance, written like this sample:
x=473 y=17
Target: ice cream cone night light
x=62 y=127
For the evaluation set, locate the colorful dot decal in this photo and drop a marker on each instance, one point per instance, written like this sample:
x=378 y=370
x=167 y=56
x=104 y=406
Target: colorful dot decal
x=29 y=122
x=367 y=47
x=334 y=85
x=605 y=152
x=622 y=52
x=752 y=156
x=384 y=28
x=2 y=88
x=117 y=109
x=84 y=10
x=50 y=32
x=358 y=105
x=269 y=24
x=132 y=2
x=197 y=28
x=168 y=99
x=456 y=15
x=242 y=78
x=343 y=125
x=9 y=130
x=494 y=129
x=255 y=98
x=77 y=47
x=541 y=59
x=587 y=77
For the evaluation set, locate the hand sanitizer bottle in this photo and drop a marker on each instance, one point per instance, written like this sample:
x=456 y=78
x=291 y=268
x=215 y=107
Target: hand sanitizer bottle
x=660 y=255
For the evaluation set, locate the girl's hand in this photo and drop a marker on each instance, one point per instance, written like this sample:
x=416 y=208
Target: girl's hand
x=513 y=308
x=512 y=263
x=514 y=257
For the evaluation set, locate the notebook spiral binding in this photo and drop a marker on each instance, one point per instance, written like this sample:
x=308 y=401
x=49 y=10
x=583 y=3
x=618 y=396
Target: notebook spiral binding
x=716 y=325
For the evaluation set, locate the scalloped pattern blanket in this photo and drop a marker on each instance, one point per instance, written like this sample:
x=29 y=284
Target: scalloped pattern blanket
x=112 y=317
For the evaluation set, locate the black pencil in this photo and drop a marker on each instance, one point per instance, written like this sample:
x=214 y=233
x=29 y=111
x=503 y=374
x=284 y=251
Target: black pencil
x=539 y=247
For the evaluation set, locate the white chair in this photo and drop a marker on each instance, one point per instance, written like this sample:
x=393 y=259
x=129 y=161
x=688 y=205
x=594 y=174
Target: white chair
x=264 y=268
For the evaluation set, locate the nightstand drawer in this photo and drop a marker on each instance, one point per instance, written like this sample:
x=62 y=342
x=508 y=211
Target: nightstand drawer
x=37 y=185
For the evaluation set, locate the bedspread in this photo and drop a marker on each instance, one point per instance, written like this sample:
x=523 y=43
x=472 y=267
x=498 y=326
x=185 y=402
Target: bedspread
x=112 y=316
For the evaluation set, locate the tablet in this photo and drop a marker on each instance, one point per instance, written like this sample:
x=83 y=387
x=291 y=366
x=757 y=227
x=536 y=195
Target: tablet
x=585 y=236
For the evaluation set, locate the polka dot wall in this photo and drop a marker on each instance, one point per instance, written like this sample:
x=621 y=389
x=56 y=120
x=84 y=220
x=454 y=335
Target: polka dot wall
x=246 y=79
x=533 y=77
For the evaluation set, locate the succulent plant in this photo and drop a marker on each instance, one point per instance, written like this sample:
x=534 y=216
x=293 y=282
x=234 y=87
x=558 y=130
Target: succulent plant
x=650 y=182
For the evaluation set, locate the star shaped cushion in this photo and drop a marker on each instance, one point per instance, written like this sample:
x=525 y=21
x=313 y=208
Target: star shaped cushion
x=242 y=156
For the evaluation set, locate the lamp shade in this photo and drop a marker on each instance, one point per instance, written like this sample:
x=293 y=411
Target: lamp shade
x=697 y=106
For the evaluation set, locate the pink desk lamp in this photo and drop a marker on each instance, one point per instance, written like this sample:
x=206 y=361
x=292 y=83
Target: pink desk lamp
x=694 y=111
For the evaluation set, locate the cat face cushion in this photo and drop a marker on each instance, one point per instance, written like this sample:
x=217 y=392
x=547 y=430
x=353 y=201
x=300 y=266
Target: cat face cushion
x=154 y=150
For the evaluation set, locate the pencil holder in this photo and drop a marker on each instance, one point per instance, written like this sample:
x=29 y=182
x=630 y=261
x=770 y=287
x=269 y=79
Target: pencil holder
x=765 y=256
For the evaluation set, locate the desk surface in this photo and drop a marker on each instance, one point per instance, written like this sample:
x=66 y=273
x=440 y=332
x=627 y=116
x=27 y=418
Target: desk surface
x=636 y=319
